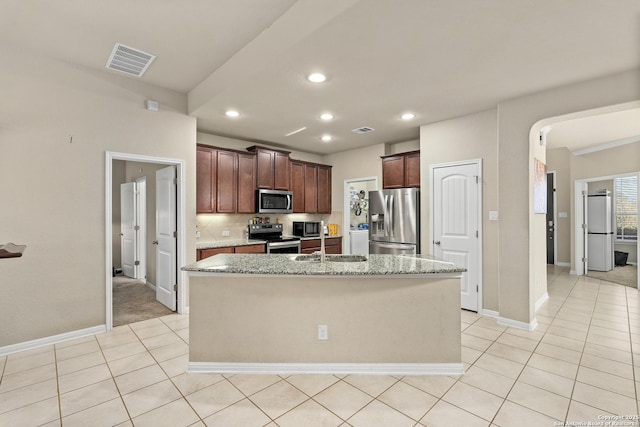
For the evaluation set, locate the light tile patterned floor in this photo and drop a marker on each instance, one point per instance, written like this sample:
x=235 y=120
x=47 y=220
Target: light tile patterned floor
x=582 y=363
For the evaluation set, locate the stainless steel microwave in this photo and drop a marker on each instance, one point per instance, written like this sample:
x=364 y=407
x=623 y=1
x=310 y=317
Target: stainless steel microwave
x=274 y=201
x=307 y=228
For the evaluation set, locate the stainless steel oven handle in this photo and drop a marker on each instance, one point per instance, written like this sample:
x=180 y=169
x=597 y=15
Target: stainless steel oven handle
x=283 y=244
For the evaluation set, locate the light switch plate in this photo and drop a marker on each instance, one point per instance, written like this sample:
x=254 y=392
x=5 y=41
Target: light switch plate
x=562 y=215
x=493 y=215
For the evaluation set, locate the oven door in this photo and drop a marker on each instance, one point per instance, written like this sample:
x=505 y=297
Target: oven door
x=292 y=247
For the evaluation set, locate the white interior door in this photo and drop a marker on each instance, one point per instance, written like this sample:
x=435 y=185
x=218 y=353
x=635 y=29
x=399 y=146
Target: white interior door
x=128 y=232
x=166 y=274
x=456 y=224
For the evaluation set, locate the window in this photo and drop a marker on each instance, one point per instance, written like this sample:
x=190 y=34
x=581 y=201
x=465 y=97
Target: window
x=626 y=209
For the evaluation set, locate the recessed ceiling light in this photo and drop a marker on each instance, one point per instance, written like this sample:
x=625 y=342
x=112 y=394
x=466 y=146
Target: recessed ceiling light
x=232 y=113
x=317 y=77
x=407 y=116
x=326 y=116
x=327 y=138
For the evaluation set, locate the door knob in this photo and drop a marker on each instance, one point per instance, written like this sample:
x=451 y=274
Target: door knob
x=436 y=242
x=155 y=242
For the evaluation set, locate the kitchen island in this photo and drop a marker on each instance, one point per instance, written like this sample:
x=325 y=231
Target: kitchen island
x=388 y=314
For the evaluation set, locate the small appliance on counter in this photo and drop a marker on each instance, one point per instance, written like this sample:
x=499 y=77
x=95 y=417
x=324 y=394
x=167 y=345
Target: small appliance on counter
x=307 y=228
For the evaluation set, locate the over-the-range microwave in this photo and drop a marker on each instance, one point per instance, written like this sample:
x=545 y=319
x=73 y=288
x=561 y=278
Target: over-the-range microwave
x=274 y=202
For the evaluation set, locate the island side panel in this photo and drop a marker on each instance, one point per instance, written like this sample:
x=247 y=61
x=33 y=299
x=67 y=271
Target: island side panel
x=269 y=319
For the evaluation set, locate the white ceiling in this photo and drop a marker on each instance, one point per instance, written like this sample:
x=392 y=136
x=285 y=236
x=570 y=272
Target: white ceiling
x=436 y=58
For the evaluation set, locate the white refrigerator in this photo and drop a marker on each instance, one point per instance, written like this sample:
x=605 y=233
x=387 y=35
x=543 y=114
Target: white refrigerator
x=599 y=233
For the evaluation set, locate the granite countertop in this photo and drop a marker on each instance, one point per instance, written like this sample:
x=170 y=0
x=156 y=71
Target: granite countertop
x=284 y=264
x=210 y=244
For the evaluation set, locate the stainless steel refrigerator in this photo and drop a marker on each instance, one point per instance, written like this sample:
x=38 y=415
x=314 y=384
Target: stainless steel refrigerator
x=599 y=233
x=394 y=221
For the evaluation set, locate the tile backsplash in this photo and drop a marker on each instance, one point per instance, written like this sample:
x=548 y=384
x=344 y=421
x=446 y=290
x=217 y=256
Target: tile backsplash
x=212 y=226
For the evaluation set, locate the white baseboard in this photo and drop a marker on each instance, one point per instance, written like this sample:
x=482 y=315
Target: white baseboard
x=541 y=301
x=490 y=313
x=573 y=273
x=563 y=264
x=54 y=339
x=518 y=324
x=151 y=286
x=328 y=368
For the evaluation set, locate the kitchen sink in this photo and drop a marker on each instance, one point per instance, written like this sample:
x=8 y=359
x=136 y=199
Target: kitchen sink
x=332 y=258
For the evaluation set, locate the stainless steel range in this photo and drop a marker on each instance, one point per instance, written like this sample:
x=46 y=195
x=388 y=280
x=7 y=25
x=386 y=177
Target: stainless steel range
x=276 y=244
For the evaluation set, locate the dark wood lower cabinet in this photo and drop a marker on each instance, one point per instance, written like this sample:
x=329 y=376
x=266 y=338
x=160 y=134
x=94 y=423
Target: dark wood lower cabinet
x=332 y=245
x=244 y=249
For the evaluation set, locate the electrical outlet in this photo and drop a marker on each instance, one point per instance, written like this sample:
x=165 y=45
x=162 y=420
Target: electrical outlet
x=323 y=333
x=197 y=234
x=225 y=233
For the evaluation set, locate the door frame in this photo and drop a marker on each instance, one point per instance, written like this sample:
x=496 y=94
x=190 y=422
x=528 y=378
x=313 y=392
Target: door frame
x=346 y=210
x=478 y=163
x=141 y=200
x=555 y=217
x=180 y=217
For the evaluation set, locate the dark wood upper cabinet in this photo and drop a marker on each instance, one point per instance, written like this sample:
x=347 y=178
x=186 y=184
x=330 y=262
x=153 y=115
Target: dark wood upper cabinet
x=272 y=168
x=401 y=170
x=297 y=186
x=393 y=172
x=310 y=188
x=246 y=183
x=412 y=169
x=281 y=171
x=205 y=187
x=324 y=189
x=226 y=181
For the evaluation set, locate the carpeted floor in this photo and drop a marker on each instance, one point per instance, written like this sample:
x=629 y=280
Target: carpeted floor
x=624 y=275
x=133 y=302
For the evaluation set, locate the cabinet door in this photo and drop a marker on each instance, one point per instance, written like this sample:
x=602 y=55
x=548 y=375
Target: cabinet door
x=412 y=170
x=324 y=189
x=226 y=182
x=393 y=172
x=265 y=169
x=246 y=183
x=205 y=174
x=265 y=161
x=251 y=249
x=310 y=188
x=281 y=171
x=206 y=253
x=297 y=186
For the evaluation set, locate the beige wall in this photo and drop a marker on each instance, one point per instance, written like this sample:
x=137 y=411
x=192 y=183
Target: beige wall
x=518 y=123
x=466 y=138
x=53 y=189
x=558 y=160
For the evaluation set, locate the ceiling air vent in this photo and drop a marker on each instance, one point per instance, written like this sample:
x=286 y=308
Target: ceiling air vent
x=129 y=60
x=363 y=129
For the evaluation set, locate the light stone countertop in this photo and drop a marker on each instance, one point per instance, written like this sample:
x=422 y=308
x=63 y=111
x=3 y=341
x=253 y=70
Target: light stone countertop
x=285 y=264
